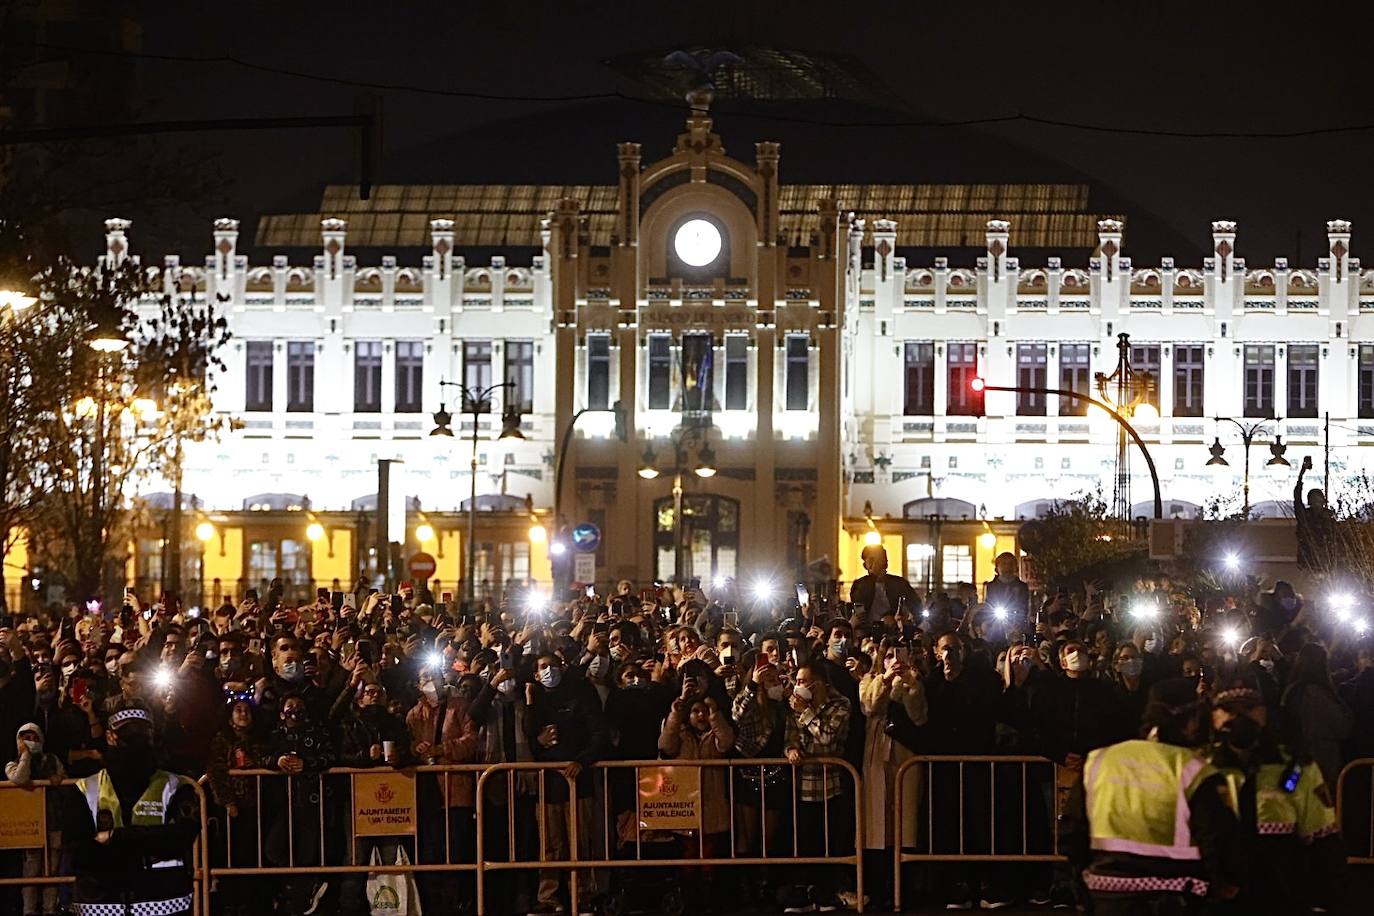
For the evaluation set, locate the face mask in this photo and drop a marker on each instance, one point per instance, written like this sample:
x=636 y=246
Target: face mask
x=1241 y=733
x=620 y=652
x=1131 y=667
x=68 y=669
x=839 y=647
x=777 y=691
x=292 y=671
x=1151 y=643
x=1288 y=604
x=112 y=667
x=596 y=668
x=292 y=715
x=33 y=747
x=430 y=690
x=507 y=686
x=1076 y=661
x=551 y=677
x=802 y=691
x=1267 y=664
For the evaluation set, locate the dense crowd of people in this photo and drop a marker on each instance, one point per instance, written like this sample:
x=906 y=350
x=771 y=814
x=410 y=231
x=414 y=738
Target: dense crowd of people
x=370 y=679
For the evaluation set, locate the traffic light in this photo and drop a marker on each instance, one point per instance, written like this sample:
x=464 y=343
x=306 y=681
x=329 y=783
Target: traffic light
x=978 y=386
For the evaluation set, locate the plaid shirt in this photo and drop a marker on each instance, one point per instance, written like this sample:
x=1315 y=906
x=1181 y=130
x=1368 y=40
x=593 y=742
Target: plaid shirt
x=820 y=733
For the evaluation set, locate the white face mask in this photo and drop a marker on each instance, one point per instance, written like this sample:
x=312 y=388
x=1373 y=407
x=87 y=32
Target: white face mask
x=508 y=686
x=1150 y=644
x=777 y=691
x=33 y=747
x=620 y=652
x=596 y=668
x=430 y=690
x=112 y=666
x=69 y=669
x=1076 y=661
x=802 y=691
x=1267 y=664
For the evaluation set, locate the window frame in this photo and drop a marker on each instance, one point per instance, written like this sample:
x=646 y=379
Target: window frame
x=918 y=377
x=410 y=376
x=259 y=375
x=367 y=374
x=1032 y=372
x=796 y=372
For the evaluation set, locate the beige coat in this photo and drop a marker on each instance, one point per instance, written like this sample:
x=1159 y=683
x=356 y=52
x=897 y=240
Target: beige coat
x=882 y=757
x=679 y=742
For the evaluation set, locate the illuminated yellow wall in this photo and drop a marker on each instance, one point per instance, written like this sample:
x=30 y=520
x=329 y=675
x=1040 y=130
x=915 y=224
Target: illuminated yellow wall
x=17 y=570
x=540 y=569
x=226 y=566
x=325 y=568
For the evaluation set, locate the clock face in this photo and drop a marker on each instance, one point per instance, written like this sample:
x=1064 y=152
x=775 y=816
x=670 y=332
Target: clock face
x=697 y=242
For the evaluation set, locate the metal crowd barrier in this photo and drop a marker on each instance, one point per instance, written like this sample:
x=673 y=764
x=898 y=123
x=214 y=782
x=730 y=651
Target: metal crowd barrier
x=1355 y=810
x=643 y=813
x=963 y=797
x=23 y=818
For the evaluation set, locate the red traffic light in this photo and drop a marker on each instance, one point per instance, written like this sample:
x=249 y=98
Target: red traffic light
x=977 y=384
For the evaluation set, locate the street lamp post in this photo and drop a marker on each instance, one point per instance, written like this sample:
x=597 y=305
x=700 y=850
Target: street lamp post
x=1133 y=389
x=705 y=468
x=621 y=433
x=1248 y=434
x=979 y=385
x=476 y=401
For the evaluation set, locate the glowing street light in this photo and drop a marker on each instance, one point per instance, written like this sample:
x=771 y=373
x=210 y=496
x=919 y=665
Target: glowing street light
x=424 y=532
x=205 y=532
x=314 y=531
x=538 y=534
x=872 y=538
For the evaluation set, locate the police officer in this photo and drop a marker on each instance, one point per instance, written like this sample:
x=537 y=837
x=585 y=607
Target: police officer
x=1160 y=823
x=130 y=828
x=1287 y=819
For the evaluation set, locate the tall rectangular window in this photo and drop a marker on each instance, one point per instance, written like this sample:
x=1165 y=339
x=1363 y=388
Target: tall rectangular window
x=1032 y=364
x=476 y=373
x=698 y=372
x=1075 y=374
x=1259 y=380
x=1145 y=358
x=410 y=375
x=1366 y=405
x=258 y=385
x=1188 y=375
x=660 y=371
x=598 y=372
x=520 y=370
x=962 y=369
x=367 y=376
x=920 y=379
x=300 y=376
x=736 y=372
x=1302 y=380
x=798 y=368
x=956 y=564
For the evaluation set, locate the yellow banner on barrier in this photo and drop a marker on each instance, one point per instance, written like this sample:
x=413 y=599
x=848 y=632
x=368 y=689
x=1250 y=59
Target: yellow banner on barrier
x=22 y=818
x=383 y=804
x=669 y=798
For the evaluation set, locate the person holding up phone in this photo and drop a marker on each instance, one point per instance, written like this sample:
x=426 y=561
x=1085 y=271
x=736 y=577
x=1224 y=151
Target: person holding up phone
x=878 y=593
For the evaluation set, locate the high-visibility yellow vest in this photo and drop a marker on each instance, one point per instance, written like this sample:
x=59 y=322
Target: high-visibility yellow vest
x=149 y=811
x=1137 y=795
x=1306 y=811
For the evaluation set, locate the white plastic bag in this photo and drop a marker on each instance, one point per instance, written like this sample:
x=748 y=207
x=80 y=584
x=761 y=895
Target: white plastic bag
x=393 y=893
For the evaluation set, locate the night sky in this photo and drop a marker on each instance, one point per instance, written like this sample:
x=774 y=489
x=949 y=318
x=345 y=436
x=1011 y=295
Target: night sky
x=1183 y=67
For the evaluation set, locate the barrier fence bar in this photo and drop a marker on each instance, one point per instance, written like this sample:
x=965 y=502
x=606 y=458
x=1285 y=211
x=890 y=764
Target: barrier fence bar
x=1355 y=810
x=200 y=878
x=943 y=809
x=1032 y=812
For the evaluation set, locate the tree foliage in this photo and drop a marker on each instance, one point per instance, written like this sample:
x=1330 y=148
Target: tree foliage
x=1078 y=539
x=93 y=441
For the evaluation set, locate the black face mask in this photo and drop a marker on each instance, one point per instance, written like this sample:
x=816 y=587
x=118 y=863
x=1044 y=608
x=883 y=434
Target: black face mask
x=1241 y=733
